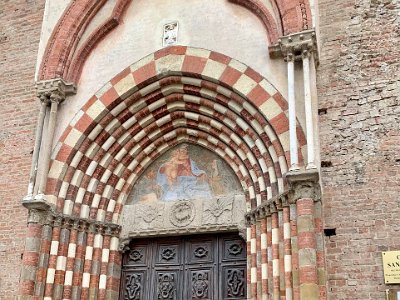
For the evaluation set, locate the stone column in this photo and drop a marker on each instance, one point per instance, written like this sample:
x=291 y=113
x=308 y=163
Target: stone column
x=36 y=149
x=301 y=46
x=114 y=266
x=305 y=191
x=55 y=100
x=50 y=92
x=294 y=160
x=306 y=56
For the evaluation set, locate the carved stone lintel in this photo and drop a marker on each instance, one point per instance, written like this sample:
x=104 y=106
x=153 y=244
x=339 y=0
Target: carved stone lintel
x=182 y=213
x=295 y=44
x=54 y=90
x=304 y=184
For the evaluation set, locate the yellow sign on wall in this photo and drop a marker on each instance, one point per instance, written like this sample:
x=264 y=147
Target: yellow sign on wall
x=391 y=266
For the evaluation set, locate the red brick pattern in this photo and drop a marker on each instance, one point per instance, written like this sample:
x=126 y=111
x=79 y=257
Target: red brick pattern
x=264 y=257
x=275 y=255
x=287 y=251
x=30 y=258
x=63 y=40
x=295 y=254
x=360 y=137
x=20 y=27
x=307 y=244
x=294 y=16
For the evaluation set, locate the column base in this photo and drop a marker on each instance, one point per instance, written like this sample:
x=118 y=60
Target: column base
x=294 y=167
x=311 y=166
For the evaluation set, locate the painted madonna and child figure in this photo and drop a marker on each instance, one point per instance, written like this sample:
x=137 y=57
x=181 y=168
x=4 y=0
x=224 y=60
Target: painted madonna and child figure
x=186 y=172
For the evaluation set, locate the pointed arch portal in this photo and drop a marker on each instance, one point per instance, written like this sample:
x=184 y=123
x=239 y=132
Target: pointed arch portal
x=173 y=96
x=177 y=94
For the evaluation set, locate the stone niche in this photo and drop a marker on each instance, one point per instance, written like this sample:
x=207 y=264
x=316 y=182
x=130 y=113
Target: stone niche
x=188 y=190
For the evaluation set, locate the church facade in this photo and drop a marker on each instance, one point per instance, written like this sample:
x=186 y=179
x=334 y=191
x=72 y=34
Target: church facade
x=202 y=149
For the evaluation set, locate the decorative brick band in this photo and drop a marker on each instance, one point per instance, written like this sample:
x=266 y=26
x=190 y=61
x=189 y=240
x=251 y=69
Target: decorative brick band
x=63 y=40
x=73 y=71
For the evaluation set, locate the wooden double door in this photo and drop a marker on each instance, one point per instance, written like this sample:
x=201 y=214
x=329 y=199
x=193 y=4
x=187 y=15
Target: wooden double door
x=183 y=268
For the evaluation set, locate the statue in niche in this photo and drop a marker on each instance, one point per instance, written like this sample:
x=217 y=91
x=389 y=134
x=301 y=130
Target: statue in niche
x=186 y=172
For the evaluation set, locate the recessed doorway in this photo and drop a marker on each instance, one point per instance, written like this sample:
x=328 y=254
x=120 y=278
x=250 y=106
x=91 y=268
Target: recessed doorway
x=186 y=267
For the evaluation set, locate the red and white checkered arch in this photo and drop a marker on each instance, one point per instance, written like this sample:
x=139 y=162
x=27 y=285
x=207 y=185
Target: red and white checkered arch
x=178 y=94
x=175 y=95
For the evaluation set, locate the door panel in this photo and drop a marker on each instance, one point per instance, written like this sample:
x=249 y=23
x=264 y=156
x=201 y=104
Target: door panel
x=167 y=283
x=209 y=267
x=201 y=283
x=233 y=282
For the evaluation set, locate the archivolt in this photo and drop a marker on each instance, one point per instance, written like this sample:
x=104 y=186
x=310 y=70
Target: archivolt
x=176 y=95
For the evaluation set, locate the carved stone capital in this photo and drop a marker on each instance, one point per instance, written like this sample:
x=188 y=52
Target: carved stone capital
x=58 y=221
x=92 y=228
x=304 y=184
x=43 y=213
x=268 y=207
x=123 y=245
x=295 y=45
x=284 y=199
x=37 y=216
x=54 y=90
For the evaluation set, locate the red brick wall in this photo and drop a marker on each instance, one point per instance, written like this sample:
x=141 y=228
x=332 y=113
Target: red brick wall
x=359 y=86
x=20 y=24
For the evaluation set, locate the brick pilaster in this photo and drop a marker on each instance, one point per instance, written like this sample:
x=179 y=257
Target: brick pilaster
x=31 y=256
x=305 y=192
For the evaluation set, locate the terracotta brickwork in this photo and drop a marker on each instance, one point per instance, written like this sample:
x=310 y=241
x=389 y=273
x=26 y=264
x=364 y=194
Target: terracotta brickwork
x=360 y=136
x=20 y=25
